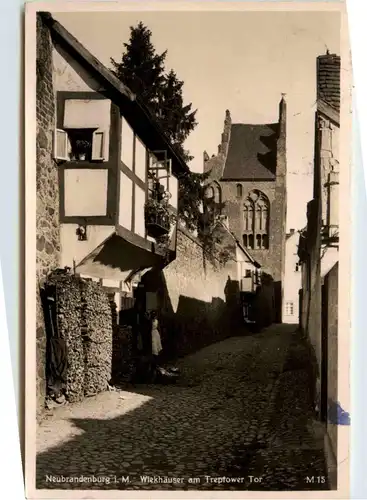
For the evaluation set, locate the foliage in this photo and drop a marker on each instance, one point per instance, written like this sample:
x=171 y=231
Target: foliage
x=82 y=146
x=142 y=70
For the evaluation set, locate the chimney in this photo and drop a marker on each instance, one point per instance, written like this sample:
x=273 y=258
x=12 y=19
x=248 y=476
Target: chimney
x=291 y=231
x=328 y=79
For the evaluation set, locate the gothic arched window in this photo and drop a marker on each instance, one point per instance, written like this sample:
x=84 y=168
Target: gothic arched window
x=210 y=192
x=256 y=221
x=217 y=193
x=239 y=190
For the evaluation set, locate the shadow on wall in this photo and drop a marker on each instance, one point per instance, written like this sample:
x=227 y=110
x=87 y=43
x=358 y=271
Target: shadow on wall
x=268 y=160
x=196 y=323
x=265 y=303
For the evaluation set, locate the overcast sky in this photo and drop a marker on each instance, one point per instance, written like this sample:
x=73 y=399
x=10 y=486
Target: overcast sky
x=241 y=61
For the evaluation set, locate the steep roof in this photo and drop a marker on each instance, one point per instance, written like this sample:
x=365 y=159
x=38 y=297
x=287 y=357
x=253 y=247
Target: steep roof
x=251 y=152
x=328 y=80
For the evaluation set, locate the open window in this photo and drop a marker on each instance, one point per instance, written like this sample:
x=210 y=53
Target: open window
x=159 y=174
x=81 y=145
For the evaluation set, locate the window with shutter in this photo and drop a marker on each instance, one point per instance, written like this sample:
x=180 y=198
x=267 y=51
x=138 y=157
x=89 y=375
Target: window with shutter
x=61 y=145
x=99 y=145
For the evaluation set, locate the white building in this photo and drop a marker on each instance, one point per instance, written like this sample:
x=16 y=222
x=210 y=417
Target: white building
x=292 y=279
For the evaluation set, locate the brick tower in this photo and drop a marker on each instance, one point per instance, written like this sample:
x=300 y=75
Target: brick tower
x=249 y=175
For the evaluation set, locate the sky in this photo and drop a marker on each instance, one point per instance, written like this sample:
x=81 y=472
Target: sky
x=241 y=61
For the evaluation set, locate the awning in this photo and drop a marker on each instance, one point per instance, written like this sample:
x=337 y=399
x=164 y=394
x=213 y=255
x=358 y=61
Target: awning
x=116 y=258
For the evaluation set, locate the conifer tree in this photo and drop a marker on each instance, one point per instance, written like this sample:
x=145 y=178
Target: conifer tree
x=141 y=68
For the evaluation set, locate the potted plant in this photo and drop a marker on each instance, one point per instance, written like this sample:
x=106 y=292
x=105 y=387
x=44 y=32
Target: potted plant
x=157 y=217
x=81 y=149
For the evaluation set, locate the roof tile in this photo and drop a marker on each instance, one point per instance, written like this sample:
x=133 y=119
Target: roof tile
x=252 y=152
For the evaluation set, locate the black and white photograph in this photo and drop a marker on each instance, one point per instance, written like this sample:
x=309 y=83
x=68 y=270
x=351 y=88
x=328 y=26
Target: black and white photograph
x=187 y=246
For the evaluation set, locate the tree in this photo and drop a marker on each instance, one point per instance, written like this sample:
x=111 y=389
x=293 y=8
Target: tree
x=141 y=68
x=177 y=119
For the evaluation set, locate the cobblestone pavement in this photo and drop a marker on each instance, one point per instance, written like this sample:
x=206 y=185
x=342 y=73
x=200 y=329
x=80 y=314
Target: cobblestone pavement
x=239 y=418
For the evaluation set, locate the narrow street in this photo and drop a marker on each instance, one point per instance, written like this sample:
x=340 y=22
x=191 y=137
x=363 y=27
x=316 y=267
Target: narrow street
x=241 y=410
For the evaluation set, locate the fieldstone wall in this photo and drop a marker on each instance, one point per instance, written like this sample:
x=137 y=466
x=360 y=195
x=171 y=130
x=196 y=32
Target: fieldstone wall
x=47 y=222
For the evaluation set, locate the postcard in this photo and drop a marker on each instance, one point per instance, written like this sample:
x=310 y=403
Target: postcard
x=187 y=249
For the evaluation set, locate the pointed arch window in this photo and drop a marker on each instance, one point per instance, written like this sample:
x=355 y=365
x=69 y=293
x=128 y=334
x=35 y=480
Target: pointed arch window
x=213 y=194
x=210 y=192
x=239 y=190
x=256 y=221
x=217 y=193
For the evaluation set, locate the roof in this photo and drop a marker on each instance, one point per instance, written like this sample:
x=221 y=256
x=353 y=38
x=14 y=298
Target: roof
x=242 y=248
x=252 y=152
x=137 y=113
x=328 y=80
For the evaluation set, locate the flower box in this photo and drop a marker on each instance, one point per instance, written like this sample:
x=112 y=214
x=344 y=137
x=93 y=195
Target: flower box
x=157 y=219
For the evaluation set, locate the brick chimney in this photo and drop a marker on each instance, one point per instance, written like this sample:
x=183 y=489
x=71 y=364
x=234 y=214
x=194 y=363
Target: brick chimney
x=328 y=79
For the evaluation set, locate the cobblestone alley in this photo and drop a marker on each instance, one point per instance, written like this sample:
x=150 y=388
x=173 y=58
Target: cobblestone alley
x=241 y=410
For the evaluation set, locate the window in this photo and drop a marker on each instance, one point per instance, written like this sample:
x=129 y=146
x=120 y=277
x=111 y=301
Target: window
x=289 y=308
x=298 y=267
x=210 y=192
x=80 y=145
x=239 y=190
x=217 y=193
x=159 y=176
x=256 y=221
x=83 y=130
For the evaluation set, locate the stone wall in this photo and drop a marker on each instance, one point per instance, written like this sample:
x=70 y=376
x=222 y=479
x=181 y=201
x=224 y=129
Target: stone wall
x=198 y=301
x=311 y=291
x=48 y=240
x=331 y=313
